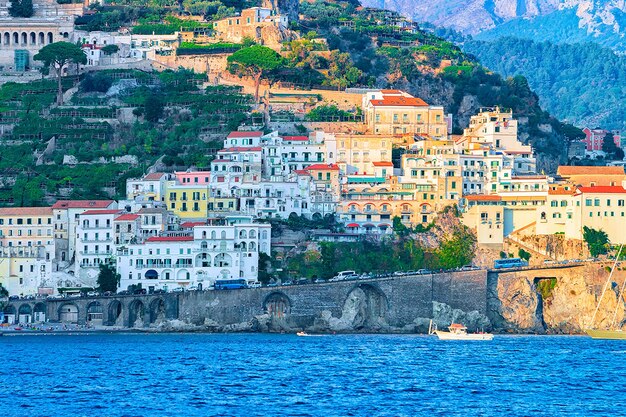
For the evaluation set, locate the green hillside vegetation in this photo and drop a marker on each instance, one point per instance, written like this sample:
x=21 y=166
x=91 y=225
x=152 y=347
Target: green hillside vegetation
x=581 y=82
x=381 y=55
x=170 y=111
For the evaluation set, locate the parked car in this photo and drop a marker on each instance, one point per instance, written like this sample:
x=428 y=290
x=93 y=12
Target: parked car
x=319 y=281
x=192 y=288
x=159 y=291
x=423 y=271
x=14 y=297
x=254 y=285
x=179 y=289
x=108 y=293
x=398 y=274
x=92 y=294
x=273 y=284
x=287 y=283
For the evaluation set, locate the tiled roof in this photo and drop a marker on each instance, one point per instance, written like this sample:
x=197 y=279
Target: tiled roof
x=382 y=164
x=26 y=211
x=301 y=172
x=100 y=212
x=296 y=138
x=170 y=239
x=483 y=197
x=603 y=189
x=560 y=191
x=155 y=176
x=192 y=224
x=127 y=217
x=323 y=167
x=399 y=101
x=90 y=204
x=391 y=91
x=239 y=134
x=241 y=149
x=589 y=170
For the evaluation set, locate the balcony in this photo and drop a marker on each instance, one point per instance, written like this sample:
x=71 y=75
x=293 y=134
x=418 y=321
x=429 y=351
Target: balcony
x=100 y=252
x=105 y=240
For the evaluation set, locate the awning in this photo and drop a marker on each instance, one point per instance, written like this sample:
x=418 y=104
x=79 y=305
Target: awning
x=384 y=225
x=352 y=225
x=369 y=225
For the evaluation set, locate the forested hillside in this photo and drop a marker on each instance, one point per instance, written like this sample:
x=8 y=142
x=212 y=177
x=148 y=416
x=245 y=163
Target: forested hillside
x=582 y=83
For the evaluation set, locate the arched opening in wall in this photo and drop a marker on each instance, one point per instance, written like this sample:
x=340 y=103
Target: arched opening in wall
x=136 y=313
x=33 y=38
x=252 y=234
x=203 y=260
x=95 y=315
x=50 y=37
x=317 y=216
x=544 y=287
x=68 y=313
x=157 y=310
x=222 y=260
x=39 y=313
x=25 y=314
x=293 y=216
x=115 y=313
x=258 y=32
x=9 y=314
x=151 y=274
x=24 y=38
x=41 y=38
x=16 y=38
x=365 y=308
x=277 y=305
x=66 y=35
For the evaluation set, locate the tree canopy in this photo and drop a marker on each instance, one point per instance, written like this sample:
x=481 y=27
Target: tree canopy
x=597 y=241
x=108 y=278
x=57 y=55
x=255 y=61
x=21 y=8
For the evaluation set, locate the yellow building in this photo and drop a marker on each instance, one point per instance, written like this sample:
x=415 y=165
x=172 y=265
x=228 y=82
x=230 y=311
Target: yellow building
x=358 y=153
x=26 y=249
x=196 y=201
x=394 y=112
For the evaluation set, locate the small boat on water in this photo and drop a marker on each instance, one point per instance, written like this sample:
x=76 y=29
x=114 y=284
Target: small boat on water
x=457 y=331
x=302 y=334
x=614 y=332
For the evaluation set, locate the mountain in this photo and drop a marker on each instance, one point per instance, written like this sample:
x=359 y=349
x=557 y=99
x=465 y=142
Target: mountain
x=599 y=21
x=581 y=83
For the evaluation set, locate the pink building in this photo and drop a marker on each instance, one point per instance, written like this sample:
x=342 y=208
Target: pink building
x=594 y=138
x=193 y=178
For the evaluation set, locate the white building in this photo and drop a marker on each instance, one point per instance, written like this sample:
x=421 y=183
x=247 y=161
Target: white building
x=222 y=249
x=95 y=242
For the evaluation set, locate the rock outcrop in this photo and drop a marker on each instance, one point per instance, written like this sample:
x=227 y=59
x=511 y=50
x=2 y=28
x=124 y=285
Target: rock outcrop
x=562 y=304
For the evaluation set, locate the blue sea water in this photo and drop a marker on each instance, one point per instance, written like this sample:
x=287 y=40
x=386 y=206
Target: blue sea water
x=335 y=375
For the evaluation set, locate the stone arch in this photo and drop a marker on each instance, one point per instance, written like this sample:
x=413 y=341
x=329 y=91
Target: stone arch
x=50 y=37
x=95 y=313
x=365 y=307
x=33 y=38
x=157 y=310
x=25 y=313
x=277 y=305
x=136 y=314
x=115 y=313
x=68 y=313
x=24 y=38
x=183 y=274
x=317 y=216
x=39 y=312
x=42 y=38
x=6 y=38
x=16 y=38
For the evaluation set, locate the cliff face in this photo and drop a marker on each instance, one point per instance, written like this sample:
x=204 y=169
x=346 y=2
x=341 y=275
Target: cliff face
x=523 y=303
x=475 y=16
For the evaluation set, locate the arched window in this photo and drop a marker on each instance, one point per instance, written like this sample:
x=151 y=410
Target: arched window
x=252 y=234
x=264 y=234
x=204 y=245
x=41 y=38
x=16 y=38
x=213 y=235
x=243 y=247
x=243 y=234
x=33 y=38
x=204 y=234
x=252 y=247
x=50 y=37
x=223 y=236
x=24 y=38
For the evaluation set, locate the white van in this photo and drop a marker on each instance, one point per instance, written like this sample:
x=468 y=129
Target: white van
x=344 y=275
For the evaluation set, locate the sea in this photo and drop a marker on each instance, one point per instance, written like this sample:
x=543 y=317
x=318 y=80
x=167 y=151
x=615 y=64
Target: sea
x=327 y=375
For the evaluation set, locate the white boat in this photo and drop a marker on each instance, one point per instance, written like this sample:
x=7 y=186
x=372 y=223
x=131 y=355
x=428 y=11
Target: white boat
x=459 y=332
